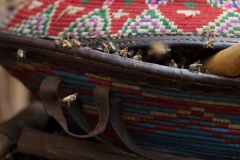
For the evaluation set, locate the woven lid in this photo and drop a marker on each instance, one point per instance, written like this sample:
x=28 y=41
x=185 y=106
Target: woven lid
x=81 y=18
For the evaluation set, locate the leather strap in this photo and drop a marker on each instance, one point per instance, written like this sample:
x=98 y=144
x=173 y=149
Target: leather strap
x=52 y=105
x=50 y=101
x=120 y=128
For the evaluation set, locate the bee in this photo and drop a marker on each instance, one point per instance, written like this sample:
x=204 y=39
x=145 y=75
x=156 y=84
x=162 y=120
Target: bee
x=207 y=32
x=124 y=52
x=158 y=48
x=111 y=47
x=196 y=66
x=158 y=53
x=58 y=41
x=137 y=57
x=70 y=98
x=105 y=48
x=75 y=42
x=209 y=43
x=20 y=54
x=66 y=43
x=173 y=64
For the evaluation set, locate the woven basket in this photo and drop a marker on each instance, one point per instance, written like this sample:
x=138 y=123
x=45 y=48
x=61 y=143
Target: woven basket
x=154 y=110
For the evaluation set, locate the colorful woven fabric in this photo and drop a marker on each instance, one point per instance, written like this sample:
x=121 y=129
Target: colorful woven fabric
x=185 y=124
x=125 y=18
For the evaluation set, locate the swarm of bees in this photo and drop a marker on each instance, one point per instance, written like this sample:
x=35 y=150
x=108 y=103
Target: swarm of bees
x=67 y=43
x=157 y=52
x=70 y=98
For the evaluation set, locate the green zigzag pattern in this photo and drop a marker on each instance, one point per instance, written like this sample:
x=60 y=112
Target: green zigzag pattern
x=149 y=22
x=96 y=23
x=227 y=24
x=36 y=25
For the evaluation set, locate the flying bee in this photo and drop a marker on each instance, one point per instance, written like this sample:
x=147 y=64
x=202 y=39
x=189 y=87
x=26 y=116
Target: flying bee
x=196 y=66
x=20 y=54
x=105 y=48
x=124 y=52
x=111 y=47
x=209 y=43
x=173 y=64
x=137 y=57
x=158 y=48
x=58 y=41
x=70 y=98
x=158 y=53
x=66 y=43
x=75 y=42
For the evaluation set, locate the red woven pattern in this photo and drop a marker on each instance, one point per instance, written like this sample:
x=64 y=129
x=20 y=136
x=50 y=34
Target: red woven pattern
x=117 y=18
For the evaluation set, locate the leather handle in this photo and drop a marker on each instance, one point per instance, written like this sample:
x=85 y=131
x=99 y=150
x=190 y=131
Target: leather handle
x=120 y=128
x=50 y=101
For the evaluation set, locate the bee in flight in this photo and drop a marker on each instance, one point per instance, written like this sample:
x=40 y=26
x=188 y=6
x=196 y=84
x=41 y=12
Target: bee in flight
x=70 y=98
x=209 y=43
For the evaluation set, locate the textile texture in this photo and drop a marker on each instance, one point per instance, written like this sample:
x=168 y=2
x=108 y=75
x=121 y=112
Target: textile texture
x=186 y=123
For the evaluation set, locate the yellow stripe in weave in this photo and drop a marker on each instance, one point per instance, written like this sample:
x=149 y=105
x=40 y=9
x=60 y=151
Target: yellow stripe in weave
x=189 y=100
x=184 y=112
x=163 y=114
x=234 y=126
x=197 y=109
x=221 y=120
x=97 y=77
x=131 y=118
x=141 y=116
x=120 y=85
x=207 y=114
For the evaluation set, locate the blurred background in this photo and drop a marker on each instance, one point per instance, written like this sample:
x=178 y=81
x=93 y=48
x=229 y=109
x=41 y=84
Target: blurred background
x=14 y=97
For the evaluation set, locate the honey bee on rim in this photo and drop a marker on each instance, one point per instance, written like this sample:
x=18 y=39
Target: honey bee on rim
x=58 y=41
x=196 y=66
x=105 y=48
x=173 y=64
x=111 y=47
x=124 y=52
x=67 y=43
x=75 y=42
x=137 y=57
